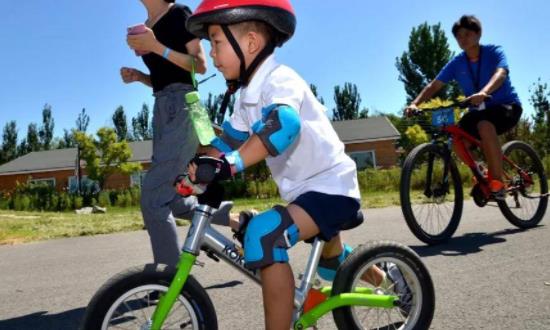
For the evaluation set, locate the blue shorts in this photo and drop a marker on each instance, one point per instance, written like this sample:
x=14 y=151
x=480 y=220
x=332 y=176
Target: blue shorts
x=329 y=212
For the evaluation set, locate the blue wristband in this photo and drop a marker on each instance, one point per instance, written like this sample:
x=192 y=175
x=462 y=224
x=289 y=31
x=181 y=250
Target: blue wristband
x=234 y=158
x=166 y=52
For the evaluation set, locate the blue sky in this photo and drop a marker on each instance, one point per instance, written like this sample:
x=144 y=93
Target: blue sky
x=68 y=53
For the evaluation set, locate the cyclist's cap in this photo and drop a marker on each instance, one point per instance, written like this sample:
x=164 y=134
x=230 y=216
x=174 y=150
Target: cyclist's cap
x=279 y=14
x=468 y=22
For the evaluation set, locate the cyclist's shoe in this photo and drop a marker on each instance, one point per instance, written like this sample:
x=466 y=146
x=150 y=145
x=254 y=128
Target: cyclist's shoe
x=327 y=267
x=498 y=190
x=244 y=219
x=401 y=288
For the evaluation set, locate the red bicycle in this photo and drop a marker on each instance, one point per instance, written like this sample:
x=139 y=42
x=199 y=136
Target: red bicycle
x=431 y=187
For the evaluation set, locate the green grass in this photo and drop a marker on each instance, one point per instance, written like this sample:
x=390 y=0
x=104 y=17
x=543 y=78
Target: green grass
x=22 y=227
x=19 y=227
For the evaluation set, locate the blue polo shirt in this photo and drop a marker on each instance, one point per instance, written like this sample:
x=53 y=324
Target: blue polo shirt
x=472 y=78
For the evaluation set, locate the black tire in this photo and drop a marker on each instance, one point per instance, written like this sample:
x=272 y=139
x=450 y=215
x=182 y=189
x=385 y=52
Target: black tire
x=152 y=274
x=414 y=162
x=533 y=165
x=364 y=256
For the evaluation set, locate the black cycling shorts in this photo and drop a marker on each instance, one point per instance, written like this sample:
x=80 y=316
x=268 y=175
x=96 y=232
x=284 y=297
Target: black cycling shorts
x=329 y=212
x=503 y=116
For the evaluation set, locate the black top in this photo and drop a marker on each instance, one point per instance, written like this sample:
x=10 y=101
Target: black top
x=170 y=31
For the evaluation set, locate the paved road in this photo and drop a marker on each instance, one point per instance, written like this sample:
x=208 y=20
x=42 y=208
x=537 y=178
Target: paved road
x=490 y=275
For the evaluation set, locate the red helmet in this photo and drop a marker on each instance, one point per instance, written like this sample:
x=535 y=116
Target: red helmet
x=277 y=13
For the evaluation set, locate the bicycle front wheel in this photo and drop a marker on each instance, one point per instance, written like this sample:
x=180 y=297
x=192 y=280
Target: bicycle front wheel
x=431 y=193
x=406 y=276
x=526 y=183
x=128 y=300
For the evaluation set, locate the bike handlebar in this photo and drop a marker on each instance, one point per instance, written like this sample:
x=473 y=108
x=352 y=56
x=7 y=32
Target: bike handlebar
x=455 y=104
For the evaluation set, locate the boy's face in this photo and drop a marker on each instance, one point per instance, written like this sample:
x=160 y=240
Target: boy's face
x=222 y=53
x=467 y=38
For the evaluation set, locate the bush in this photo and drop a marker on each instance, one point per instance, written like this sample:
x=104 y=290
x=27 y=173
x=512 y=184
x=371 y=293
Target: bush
x=104 y=199
x=4 y=202
x=65 y=202
x=22 y=203
x=135 y=195
x=54 y=203
x=78 y=202
x=124 y=199
x=546 y=164
x=379 y=180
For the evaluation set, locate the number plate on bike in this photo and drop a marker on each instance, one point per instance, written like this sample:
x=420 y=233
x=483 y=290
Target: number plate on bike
x=444 y=117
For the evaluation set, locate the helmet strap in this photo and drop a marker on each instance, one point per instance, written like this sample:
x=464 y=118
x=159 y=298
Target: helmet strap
x=245 y=73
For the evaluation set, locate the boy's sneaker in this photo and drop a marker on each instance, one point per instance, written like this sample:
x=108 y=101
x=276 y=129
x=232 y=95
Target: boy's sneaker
x=401 y=288
x=498 y=190
x=244 y=219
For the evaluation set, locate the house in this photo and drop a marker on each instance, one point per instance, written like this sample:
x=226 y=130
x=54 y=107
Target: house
x=58 y=168
x=370 y=142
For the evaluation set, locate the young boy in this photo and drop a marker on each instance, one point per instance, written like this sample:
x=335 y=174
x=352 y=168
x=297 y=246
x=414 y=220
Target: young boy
x=278 y=118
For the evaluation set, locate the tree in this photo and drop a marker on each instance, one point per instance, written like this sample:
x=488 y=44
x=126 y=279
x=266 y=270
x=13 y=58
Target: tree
x=347 y=102
x=67 y=141
x=22 y=148
x=46 y=131
x=539 y=99
x=121 y=125
x=9 y=142
x=416 y=134
x=427 y=54
x=314 y=91
x=364 y=113
x=33 y=138
x=213 y=105
x=522 y=131
x=105 y=155
x=82 y=121
x=141 y=126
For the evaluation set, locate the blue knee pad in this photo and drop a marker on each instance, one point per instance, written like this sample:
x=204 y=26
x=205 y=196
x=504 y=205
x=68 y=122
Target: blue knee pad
x=327 y=267
x=268 y=236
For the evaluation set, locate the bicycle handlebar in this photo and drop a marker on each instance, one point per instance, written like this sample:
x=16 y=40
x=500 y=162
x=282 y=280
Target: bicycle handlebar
x=455 y=104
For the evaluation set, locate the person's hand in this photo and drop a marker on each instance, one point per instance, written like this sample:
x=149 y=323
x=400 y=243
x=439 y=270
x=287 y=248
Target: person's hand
x=206 y=169
x=477 y=98
x=130 y=75
x=411 y=110
x=144 y=42
x=185 y=187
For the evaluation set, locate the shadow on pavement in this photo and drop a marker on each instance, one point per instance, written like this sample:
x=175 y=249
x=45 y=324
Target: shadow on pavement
x=68 y=320
x=466 y=244
x=43 y=321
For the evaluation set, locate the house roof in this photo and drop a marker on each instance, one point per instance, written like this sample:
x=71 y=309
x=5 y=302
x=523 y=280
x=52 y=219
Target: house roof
x=64 y=159
x=365 y=130
x=349 y=131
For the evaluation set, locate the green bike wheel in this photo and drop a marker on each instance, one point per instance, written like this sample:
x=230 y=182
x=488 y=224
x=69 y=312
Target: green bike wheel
x=128 y=300
x=406 y=276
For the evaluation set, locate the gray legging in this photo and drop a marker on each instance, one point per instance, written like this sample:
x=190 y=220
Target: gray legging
x=174 y=144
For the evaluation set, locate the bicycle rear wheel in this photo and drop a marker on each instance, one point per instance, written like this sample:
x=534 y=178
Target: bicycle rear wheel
x=526 y=182
x=406 y=276
x=431 y=193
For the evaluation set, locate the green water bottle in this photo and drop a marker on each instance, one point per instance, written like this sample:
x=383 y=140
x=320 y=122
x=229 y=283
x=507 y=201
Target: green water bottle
x=200 y=119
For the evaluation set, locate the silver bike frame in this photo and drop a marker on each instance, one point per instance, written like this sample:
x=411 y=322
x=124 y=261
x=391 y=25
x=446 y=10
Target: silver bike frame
x=201 y=236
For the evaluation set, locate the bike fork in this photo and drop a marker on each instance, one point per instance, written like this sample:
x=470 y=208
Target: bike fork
x=191 y=250
x=166 y=302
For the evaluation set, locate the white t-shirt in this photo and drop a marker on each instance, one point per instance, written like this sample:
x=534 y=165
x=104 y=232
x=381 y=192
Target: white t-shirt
x=316 y=161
